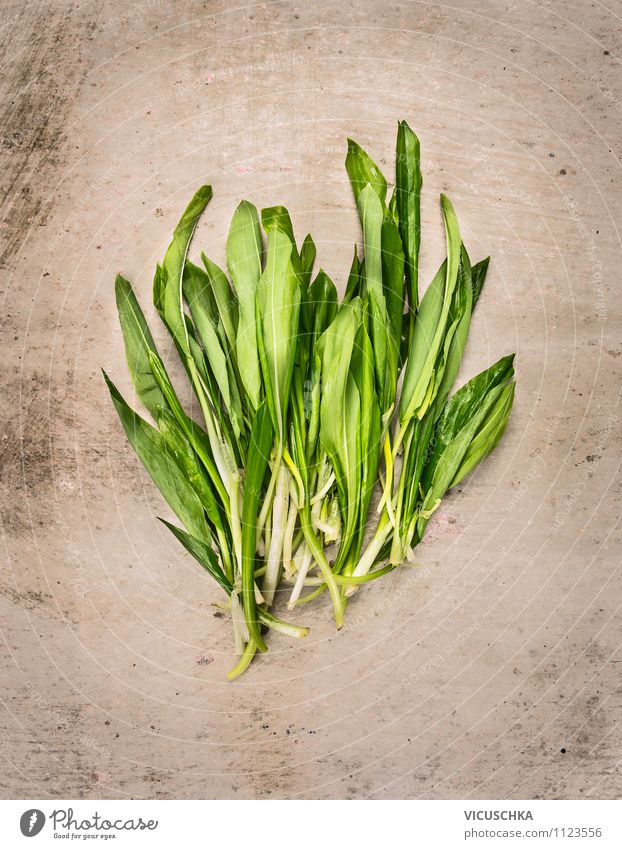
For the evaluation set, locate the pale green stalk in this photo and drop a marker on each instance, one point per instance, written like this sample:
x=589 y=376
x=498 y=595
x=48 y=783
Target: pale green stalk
x=279 y=521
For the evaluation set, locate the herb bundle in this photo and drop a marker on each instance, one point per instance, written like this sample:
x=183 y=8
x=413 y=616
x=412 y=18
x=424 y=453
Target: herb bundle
x=309 y=403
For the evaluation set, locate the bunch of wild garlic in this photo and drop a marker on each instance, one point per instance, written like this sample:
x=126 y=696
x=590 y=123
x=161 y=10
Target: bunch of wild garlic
x=298 y=392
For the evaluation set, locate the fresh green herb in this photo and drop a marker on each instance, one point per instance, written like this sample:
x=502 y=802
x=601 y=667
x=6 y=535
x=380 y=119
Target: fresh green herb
x=301 y=414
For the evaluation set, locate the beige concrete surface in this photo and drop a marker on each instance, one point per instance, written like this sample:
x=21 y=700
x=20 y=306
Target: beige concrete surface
x=491 y=671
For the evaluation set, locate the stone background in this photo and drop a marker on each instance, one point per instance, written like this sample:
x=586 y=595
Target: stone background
x=491 y=671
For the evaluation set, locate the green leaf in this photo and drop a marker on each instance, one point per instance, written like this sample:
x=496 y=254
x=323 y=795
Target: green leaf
x=257 y=463
x=448 y=465
x=355 y=279
x=312 y=408
x=488 y=436
x=462 y=408
x=244 y=251
x=478 y=277
x=336 y=347
x=322 y=297
x=226 y=302
x=202 y=553
x=198 y=294
x=385 y=353
x=299 y=447
x=408 y=202
x=369 y=430
x=351 y=456
x=278 y=306
x=193 y=433
x=278 y=217
x=363 y=170
x=158 y=289
x=393 y=210
x=169 y=289
x=308 y=253
x=371 y=214
x=448 y=365
x=138 y=342
x=460 y=319
x=393 y=287
x=340 y=410
x=431 y=327
x=181 y=448
x=163 y=466
x=385 y=347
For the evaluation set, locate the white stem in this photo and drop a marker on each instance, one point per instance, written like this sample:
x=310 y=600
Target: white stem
x=320 y=495
x=267 y=503
x=236 y=526
x=300 y=580
x=279 y=520
x=289 y=537
x=240 y=630
x=297 y=561
x=267 y=534
x=259 y=599
x=371 y=553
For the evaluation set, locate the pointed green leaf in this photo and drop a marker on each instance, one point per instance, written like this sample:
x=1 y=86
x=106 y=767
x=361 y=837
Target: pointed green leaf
x=138 y=342
x=278 y=217
x=385 y=346
x=460 y=318
x=323 y=295
x=362 y=368
x=226 y=302
x=162 y=465
x=181 y=448
x=244 y=251
x=308 y=253
x=431 y=326
x=393 y=280
x=450 y=460
x=363 y=170
x=355 y=279
x=193 y=433
x=169 y=288
x=488 y=436
x=408 y=202
x=462 y=408
x=278 y=306
x=340 y=409
x=198 y=295
x=202 y=553
x=257 y=463
x=478 y=277
x=158 y=289
x=371 y=215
